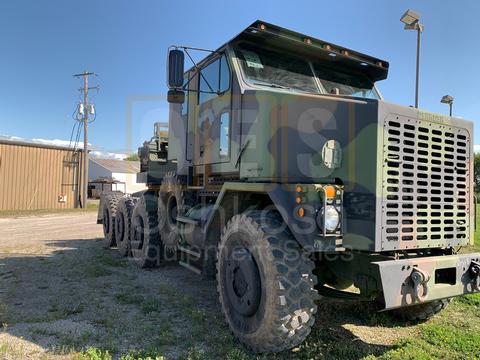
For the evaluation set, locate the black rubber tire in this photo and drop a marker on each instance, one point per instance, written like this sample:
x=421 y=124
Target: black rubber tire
x=123 y=224
x=285 y=312
x=172 y=203
x=421 y=312
x=146 y=247
x=110 y=207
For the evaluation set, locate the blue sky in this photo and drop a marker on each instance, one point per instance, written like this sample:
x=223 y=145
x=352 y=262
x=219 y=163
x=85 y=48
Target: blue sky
x=44 y=42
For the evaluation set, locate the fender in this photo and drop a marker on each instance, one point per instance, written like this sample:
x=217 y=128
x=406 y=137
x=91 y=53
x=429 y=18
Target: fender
x=282 y=197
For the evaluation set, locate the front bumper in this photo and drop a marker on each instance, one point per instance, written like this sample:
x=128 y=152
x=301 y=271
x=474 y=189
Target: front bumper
x=413 y=281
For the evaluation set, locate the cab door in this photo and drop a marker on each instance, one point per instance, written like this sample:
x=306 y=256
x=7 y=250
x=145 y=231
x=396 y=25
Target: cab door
x=212 y=123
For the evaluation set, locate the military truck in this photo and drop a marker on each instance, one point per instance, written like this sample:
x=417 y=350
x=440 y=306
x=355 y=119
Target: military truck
x=284 y=175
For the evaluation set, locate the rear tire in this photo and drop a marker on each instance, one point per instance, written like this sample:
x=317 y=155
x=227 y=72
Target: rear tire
x=146 y=247
x=123 y=224
x=421 y=312
x=265 y=283
x=110 y=207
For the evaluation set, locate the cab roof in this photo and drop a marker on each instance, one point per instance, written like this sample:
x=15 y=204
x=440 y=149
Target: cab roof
x=264 y=34
x=268 y=35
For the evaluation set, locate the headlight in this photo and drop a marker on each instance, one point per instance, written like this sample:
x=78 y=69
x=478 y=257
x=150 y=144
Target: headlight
x=332 y=218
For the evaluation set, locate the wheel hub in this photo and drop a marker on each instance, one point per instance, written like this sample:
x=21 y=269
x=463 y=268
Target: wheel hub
x=243 y=282
x=121 y=227
x=137 y=241
x=172 y=210
x=106 y=221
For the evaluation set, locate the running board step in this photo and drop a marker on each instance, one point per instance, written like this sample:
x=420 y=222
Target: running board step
x=189 y=252
x=186 y=220
x=191 y=268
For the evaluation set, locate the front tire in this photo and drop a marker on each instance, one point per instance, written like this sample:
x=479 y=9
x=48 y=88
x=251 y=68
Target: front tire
x=265 y=283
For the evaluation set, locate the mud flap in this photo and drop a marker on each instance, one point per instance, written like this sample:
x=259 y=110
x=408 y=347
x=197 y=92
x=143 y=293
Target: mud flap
x=412 y=281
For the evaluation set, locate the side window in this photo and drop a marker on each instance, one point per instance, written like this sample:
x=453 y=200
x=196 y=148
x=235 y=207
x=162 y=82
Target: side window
x=214 y=79
x=224 y=83
x=224 y=135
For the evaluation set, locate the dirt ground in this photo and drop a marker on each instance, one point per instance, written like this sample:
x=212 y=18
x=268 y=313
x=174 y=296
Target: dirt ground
x=62 y=292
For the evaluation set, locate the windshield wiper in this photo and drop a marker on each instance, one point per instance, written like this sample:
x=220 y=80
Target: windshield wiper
x=273 y=85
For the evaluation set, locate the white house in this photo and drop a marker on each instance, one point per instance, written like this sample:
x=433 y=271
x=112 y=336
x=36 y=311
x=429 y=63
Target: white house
x=123 y=173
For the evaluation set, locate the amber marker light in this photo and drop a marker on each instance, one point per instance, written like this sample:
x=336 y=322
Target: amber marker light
x=299 y=189
x=301 y=212
x=298 y=199
x=330 y=191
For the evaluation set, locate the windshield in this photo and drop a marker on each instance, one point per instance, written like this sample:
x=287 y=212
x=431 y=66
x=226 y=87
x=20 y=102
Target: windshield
x=270 y=68
x=264 y=67
x=346 y=84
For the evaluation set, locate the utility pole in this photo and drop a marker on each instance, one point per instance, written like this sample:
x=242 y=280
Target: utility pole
x=86 y=111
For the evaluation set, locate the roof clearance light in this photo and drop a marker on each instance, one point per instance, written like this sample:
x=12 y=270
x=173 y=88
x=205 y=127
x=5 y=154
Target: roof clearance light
x=379 y=63
x=326 y=46
x=330 y=191
x=307 y=41
x=345 y=52
x=262 y=27
x=301 y=212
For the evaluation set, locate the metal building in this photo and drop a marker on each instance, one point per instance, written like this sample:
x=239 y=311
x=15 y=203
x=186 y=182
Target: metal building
x=36 y=176
x=124 y=172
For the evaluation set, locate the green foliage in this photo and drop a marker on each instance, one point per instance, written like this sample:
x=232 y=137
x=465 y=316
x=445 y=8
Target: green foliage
x=150 y=305
x=476 y=172
x=94 y=354
x=472 y=299
x=132 y=157
x=195 y=353
x=142 y=355
x=458 y=340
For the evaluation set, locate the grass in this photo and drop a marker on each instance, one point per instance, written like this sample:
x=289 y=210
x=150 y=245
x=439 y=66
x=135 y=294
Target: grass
x=22 y=213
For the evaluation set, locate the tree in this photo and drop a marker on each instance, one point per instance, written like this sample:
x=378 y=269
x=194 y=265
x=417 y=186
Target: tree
x=476 y=172
x=132 y=157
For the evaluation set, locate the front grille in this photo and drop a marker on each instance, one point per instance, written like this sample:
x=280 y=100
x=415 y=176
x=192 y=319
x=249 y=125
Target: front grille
x=425 y=184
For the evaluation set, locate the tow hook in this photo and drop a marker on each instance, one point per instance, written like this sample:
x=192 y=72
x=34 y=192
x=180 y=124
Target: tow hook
x=420 y=279
x=475 y=272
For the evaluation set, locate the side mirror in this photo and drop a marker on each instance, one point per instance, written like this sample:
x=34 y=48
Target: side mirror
x=175 y=70
x=176 y=60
